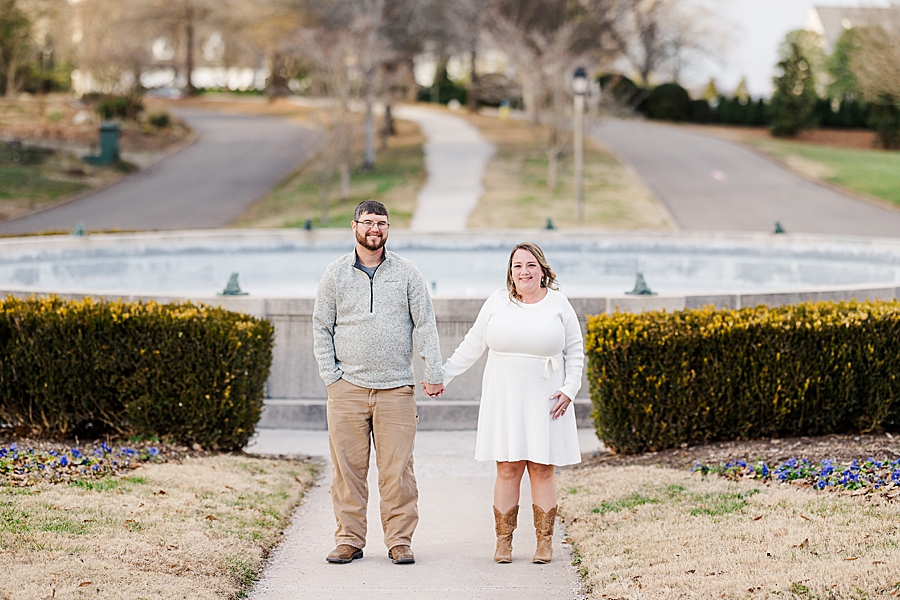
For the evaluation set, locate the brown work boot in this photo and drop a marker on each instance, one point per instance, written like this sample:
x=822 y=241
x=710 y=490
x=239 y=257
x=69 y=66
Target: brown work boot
x=401 y=554
x=543 y=529
x=343 y=554
x=504 y=525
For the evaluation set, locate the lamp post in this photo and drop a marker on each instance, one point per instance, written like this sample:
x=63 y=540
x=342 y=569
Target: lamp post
x=579 y=87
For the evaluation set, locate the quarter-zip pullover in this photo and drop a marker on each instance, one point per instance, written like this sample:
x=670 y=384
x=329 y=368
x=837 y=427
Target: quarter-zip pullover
x=363 y=327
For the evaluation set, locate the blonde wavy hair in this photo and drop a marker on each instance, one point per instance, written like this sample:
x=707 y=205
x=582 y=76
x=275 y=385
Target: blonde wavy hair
x=548 y=280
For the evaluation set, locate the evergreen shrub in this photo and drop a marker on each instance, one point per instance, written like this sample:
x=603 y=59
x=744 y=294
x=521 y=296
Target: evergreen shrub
x=852 y=113
x=443 y=92
x=724 y=111
x=660 y=379
x=187 y=373
x=760 y=113
x=160 y=119
x=701 y=112
x=119 y=107
x=668 y=102
x=622 y=89
x=884 y=118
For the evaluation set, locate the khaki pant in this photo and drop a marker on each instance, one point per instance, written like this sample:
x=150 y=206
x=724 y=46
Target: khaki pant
x=388 y=417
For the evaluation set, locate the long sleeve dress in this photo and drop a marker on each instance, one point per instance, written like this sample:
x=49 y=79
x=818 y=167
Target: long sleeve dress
x=534 y=350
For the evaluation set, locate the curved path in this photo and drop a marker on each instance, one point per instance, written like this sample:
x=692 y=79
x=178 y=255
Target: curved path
x=710 y=184
x=235 y=160
x=455 y=159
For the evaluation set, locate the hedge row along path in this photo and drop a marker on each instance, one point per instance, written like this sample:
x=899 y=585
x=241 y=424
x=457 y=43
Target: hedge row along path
x=710 y=184
x=235 y=160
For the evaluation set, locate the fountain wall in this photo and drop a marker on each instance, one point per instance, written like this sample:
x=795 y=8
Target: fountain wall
x=461 y=271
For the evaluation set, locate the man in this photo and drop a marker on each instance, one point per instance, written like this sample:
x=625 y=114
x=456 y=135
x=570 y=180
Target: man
x=369 y=306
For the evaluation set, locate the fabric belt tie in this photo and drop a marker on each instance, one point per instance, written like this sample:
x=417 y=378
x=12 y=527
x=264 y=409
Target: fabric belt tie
x=551 y=363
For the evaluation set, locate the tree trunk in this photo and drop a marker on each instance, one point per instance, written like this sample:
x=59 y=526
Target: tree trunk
x=324 y=189
x=411 y=93
x=277 y=84
x=189 y=58
x=12 y=82
x=552 y=169
x=473 y=81
x=387 y=128
x=345 y=181
x=369 y=158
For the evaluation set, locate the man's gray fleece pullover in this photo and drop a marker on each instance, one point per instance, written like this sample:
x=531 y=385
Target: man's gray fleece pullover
x=363 y=327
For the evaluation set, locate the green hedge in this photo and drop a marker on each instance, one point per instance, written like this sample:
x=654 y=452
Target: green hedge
x=190 y=374
x=668 y=102
x=443 y=92
x=659 y=380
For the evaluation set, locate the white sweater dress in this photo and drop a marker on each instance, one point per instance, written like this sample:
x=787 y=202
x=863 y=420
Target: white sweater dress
x=534 y=350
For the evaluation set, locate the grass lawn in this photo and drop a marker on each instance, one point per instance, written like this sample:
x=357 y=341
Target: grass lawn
x=652 y=532
x=516 y=193
x=871 y=172
x=841 y=157
x=398 y=175
x=195 y=528
x=31 y=185
x=32 y=180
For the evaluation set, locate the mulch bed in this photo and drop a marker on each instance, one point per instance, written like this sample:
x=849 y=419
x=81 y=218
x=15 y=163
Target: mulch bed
x=24 y=462
x=838 y=138
x=840 y=449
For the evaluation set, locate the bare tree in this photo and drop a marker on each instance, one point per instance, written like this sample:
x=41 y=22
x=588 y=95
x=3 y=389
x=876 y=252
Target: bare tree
x=543 y=60
x=876 y=63
x=186 y=23
x=365 y=21
x=25 y=28
x=15 y=44
x=333 y=55
x=546 y=40
x=663 y=36
x=112 y=50
x=264 y=32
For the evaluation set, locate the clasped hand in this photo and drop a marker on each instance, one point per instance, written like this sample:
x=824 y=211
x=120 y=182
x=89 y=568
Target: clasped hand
x=432 y=390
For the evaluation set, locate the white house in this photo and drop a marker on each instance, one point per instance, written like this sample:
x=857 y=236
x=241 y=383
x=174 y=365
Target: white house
x=831 y=21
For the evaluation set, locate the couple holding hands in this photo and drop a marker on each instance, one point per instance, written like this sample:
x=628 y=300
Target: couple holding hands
x=370 y=306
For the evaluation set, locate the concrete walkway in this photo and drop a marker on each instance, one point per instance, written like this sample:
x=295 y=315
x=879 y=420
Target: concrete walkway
x=236 y=160
x=711 y=184
x=455 y=158
x=454 y=542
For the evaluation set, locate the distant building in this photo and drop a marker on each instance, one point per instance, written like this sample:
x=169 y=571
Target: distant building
x=831 y=21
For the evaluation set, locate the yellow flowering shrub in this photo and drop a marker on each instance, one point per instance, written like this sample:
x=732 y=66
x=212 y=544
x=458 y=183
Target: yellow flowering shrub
x=661 y=379
x=183 y=372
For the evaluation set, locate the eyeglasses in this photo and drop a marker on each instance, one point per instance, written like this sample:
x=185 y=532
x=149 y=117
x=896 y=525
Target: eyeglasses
x=370 y=224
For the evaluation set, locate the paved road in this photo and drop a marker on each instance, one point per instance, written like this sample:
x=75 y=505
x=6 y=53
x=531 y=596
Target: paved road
x=454 y=542
x=710 y=184
x=235 y=160
x=455 y=158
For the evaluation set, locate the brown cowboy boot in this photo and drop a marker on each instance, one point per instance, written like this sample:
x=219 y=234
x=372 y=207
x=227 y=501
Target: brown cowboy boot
x=504 y=525
x=543 y=529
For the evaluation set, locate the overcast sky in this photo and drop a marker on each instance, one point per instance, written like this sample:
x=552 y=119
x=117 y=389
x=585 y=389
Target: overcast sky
x=759 y=27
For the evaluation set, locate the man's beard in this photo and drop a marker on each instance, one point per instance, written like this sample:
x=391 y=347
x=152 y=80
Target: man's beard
x=362 y=239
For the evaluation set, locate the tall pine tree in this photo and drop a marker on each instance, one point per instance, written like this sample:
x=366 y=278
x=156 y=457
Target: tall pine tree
x=794 y=101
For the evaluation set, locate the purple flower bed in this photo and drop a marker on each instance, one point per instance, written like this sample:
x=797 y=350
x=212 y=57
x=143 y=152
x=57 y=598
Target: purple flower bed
x=871 y=474
x=20 y=467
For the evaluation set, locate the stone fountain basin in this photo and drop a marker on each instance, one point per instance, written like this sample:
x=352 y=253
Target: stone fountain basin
x=288 y=263
x=280 y=270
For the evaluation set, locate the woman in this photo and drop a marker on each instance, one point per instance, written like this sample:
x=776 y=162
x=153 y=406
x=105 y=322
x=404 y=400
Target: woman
x=535 y=358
